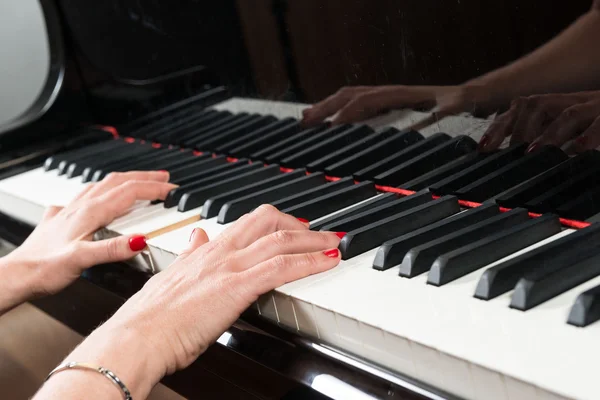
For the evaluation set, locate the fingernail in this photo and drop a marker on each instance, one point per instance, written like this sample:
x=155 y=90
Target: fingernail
x=303 y=220
x=334 y=253
x=137 y=243
x=532 y=148
x=163 y=171
x=192 y=234
x=340 y=234
x=483 y=142
x=582 y=141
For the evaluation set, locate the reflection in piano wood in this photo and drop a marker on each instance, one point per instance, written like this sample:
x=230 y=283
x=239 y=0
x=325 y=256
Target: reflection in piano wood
x=462 y=272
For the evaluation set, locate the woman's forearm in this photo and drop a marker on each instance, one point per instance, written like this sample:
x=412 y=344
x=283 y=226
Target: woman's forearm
x=569 y=62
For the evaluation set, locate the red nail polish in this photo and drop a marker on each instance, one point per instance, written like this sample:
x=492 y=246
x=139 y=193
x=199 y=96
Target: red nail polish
x=532 y=148
x=192 y=234
x=582 y=141
x=483 y=142
x=340 y=234
x=137 y=243
x=303 y=220
x=163 y=170
x=334 y=253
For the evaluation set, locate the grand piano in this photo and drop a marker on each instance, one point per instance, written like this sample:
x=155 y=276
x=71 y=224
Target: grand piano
x=440 y=294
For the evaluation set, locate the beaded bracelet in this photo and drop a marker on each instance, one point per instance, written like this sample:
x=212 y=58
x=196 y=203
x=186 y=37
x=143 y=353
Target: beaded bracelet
x=107 y=373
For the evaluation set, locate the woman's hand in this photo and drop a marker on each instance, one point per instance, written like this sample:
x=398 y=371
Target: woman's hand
x=61 y=247
x=184 y=309
x=551 y=119
x=357 y=103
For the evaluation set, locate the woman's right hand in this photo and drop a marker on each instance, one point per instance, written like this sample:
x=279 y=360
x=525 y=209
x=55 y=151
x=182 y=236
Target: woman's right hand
x=356 y=103
x=181 y=311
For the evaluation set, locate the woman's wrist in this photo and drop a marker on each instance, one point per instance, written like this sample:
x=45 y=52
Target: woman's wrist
x=18 y=279
x=120 y=349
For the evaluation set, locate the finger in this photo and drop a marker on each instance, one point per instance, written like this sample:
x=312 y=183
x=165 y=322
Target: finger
x=280 y=270
x=589 y=139
x=51 y=211
x=265 y=220
x=116 y=202
x=569 y=123
x=332 y=104
x=84 y=192
x=287 y=242
x=366 y=105
x=116 y=249
x=198 y=237
x=525 y=128
x=499 y=129
x=115 y=179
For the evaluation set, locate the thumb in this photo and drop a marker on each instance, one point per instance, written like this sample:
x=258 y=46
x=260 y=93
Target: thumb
x=120 y=248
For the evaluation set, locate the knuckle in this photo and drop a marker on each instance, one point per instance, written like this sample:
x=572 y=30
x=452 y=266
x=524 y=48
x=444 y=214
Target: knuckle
x=282 y=238
x=572 y=112
x=279 y=261
x=113 y=176
x=345 y=91
x=310 y=259
x=269 y=210
x=112 y=249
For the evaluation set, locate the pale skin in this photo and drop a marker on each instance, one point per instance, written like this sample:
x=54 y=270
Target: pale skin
x=179 y=312
x=568 y=63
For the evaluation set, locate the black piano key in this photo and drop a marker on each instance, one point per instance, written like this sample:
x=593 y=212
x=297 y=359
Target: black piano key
x=53 y=161
x=451 y=168
x=180 y=108
x=376 y=201
x=310 y=194
x=565 y=191
x=460 y=262
x=392 y=252
x=331 y=202
x=217 y=131
x=349 y=150
x=366 y=157
x=197 y=164
x=184 y=131
x=240 y=131
x=64 y=163
x=401 y=156
x=195 y=198
x=166 y=162
x=151 y=160
x=378 y=213
x=244 y=146
x=206 y=177
x=261 y=150
x=586 y=309
x=426 y=162
x=582 y=207
x=327 y=145
x=512 y=174
x=374 y=234
x=211 y=207
x=78 y=167
x=227 y=122
x=419 y=259
x=546 y=181
x=551 y=256
x=306 y=142
x=542 y=285
x=476 y=171
x=179 y=124
x=234 y=209
x=115 y=159
x=183 y=134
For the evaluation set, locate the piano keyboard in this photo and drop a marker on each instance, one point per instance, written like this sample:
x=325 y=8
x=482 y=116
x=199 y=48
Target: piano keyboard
x=476 y=274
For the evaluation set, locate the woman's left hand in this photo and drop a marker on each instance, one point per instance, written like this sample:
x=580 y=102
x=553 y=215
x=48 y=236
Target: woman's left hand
x=61 y=246
x=572 y=120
